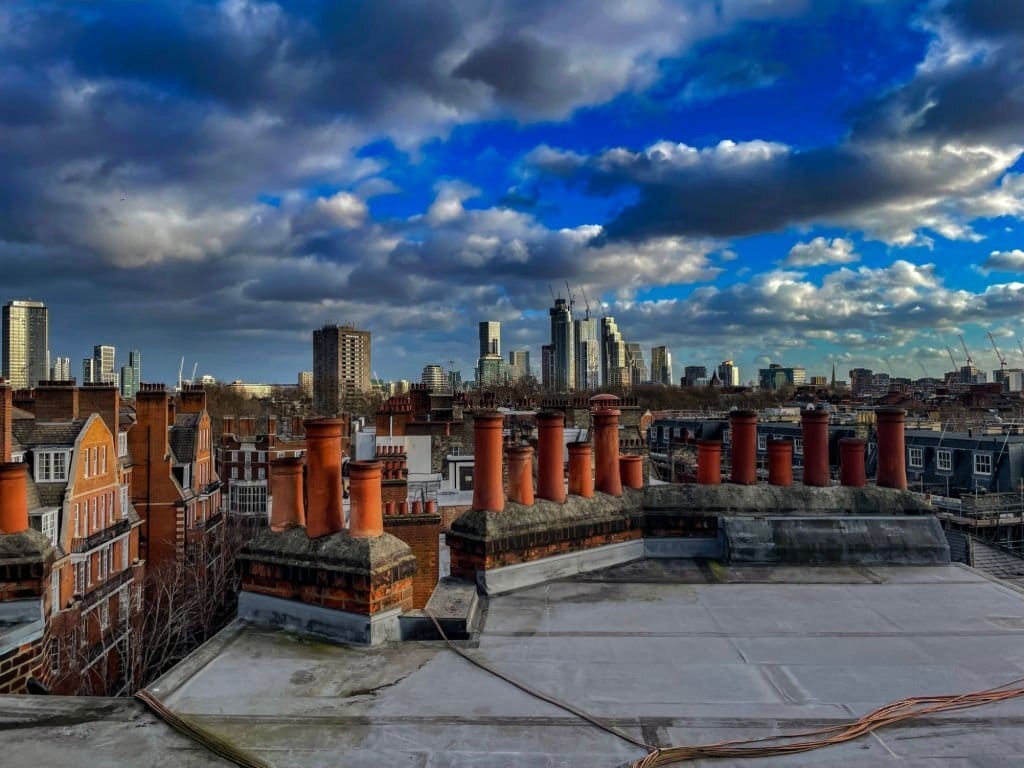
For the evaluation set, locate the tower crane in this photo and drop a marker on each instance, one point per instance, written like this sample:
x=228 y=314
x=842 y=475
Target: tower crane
x=587 y=305
x=951 y=358
x=1021 y=347
x=925 y=370
x=569 y=293
x=181 y=368
x=970 y=362
x=999 y=355
x=194 y=369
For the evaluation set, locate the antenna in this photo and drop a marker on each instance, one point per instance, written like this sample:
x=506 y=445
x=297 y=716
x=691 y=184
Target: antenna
x=970 y=363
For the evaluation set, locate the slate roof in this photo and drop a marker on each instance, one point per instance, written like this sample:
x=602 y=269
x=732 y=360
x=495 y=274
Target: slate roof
x=29 y=432
x=995 y=561
x=183 y=437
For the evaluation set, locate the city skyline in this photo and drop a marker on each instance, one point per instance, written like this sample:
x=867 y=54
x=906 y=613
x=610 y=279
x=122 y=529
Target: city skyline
x=767 y=182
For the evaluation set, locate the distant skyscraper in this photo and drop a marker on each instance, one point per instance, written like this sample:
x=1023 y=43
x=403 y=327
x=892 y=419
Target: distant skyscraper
x=490 y=338
x=61 y=369
x=306 y=383
x=103 y=364
x=635 y=363
x=587 y=353
x=433 y=377
x=695 y=376
x=341 y=366
x=860 y=380
x=661 y=366
x=26 y=343
x=88 y=371
x=776 y=376
x=562 y=348
x=547 y=366
x=613 y=354
x=128 y=382
x=490 y=365
x=728 y=374
x=519 y=364
x=135 y=363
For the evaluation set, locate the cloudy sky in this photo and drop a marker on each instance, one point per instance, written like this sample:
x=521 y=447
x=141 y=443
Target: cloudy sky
x=796 y=181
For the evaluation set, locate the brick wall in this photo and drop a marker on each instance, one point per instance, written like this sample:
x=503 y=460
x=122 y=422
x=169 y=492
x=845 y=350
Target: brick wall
x=449 y=514
x=422 y=533
x=343 y=591
x=18 y=665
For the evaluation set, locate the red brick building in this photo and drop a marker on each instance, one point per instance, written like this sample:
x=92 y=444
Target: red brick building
x=174 y=484
x=77 y=574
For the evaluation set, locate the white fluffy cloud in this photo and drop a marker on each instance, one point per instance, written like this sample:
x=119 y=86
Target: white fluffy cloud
x=820 y=251
x=1005 y=261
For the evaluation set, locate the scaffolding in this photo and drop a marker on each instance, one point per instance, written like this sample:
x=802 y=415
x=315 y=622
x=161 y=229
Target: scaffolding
x=994 y=518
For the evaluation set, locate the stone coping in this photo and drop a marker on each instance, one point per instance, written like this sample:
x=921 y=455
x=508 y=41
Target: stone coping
x=335 y=552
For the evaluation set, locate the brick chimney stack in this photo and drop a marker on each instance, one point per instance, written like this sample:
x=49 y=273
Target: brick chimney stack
x=709 y=462
x=193 y=398
x=56 y=401
x=851 y=462
x=103 y=399
x=780 y=462
x=892 y=461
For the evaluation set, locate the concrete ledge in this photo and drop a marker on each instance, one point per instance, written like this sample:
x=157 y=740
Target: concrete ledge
x=456 y=606
x=498 y=581
x=686 y=548
x=764 y=499
x=339 y=626
x=836 y=540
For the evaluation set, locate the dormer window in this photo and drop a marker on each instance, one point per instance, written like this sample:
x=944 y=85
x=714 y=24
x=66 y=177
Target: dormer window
x=51 y=466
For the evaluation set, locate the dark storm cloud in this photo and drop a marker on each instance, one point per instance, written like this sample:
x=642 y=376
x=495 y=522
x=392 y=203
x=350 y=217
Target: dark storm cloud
x=522 y=70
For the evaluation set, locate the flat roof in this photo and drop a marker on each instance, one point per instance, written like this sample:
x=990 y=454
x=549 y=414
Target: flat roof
x=670 y=651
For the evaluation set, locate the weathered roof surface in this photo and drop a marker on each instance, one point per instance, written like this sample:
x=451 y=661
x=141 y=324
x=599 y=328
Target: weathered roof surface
x=29 y=432
x=183 y=437
x=670 y=651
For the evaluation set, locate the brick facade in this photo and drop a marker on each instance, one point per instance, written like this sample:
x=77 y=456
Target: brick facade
x=422 y=533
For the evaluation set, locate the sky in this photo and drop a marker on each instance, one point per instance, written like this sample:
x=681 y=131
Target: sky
x=805 y=182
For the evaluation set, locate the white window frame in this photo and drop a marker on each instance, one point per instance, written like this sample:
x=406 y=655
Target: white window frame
x=986 y=458
x=51 y=466
x=124 y=501
x=234 y=473
x=86 y=467
x=915 y=457
x=798 y=446
x=943 y=460
x=726 y=436
x=762 y=442
x=103 y=460
x=261 y=474
x=122 y=443
x=54 y=592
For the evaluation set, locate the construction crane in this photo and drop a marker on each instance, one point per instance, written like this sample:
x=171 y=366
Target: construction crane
x=181 y=369
x=970 y=362
x=999 y=356
x=587 y=305
x=1021 y=347
x=572 y=297
x=951 y=358
x=924 y=370
x=194 y=369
